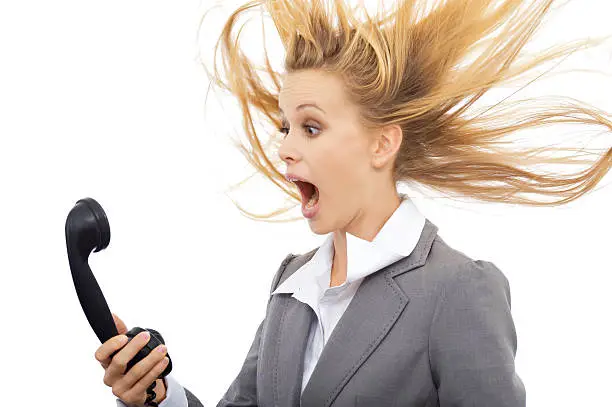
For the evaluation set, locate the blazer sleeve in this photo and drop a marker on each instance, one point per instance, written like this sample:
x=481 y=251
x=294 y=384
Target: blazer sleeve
x=473 y=341
x=242 y=392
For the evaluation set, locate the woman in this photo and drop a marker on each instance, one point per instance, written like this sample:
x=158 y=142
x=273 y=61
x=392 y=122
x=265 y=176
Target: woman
x=384 y=312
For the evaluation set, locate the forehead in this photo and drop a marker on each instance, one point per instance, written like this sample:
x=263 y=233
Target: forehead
x=310 y=86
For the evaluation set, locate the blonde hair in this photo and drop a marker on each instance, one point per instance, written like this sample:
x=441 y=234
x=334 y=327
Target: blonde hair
x=408 y=67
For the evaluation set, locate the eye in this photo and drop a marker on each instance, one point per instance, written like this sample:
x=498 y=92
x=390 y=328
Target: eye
x=285 y=130
x=312 y=127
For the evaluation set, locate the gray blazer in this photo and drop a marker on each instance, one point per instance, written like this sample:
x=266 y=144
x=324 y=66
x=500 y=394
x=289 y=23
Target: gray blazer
x=432 y=329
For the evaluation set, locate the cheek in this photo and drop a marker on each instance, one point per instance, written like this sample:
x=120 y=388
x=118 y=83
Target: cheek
x=351 y=162
x=343 y=170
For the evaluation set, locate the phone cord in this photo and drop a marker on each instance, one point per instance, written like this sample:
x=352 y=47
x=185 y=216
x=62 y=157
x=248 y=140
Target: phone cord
x=151 y=396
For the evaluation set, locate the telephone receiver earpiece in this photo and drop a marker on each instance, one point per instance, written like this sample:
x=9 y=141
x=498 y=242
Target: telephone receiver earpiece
x=87 y=229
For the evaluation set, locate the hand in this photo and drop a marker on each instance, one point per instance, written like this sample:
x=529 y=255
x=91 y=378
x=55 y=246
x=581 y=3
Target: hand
x=131 y=387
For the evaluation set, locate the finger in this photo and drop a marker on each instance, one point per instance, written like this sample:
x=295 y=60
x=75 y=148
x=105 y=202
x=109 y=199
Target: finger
x=119 y=362
x=142 y=368
x=143 y=384
x=138 y=393
x=121 y=328
x=103 y=353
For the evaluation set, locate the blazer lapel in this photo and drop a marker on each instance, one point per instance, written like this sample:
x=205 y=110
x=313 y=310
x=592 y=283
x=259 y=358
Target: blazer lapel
x=281 y=360
x=376 y=306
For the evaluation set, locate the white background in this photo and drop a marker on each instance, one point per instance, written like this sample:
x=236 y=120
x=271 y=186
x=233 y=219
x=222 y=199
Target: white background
x=106 y=99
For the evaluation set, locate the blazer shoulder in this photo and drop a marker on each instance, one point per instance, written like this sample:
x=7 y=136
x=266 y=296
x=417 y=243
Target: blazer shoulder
x=290 y=264
x=446 y=263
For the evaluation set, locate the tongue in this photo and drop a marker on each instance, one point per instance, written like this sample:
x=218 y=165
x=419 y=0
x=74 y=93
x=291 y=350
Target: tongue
x=314 y=198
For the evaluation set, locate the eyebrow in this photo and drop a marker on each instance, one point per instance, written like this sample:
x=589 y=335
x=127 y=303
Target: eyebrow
x=303 y=105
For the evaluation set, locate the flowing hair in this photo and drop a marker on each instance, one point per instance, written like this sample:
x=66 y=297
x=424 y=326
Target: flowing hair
x=409 y=66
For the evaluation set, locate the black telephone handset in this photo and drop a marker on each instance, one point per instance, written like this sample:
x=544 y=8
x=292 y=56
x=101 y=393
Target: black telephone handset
x=87 y=229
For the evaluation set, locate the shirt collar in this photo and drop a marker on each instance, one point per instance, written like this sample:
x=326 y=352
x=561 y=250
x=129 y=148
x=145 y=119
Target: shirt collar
x=396 y=239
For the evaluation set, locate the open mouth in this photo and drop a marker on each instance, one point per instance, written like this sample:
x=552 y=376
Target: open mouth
x=310 y=193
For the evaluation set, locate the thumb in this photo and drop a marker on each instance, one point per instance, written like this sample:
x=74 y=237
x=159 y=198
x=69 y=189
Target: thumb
x=121 y=328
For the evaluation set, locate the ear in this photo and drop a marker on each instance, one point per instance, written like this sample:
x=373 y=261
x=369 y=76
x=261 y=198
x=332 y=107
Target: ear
x=386 y=143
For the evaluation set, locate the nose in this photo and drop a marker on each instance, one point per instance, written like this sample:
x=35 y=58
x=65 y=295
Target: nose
x=287 y=153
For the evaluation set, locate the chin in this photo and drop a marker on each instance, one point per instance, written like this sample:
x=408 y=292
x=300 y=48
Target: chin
x=317 y=227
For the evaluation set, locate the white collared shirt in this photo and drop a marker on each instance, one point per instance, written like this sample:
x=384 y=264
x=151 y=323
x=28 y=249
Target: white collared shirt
x=310 y=283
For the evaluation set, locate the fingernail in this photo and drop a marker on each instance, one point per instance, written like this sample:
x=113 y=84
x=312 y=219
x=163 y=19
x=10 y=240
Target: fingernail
x=144 y=335
x=161 y=349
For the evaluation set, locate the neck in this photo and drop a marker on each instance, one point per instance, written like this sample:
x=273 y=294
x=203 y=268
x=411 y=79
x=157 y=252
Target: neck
x=365 y=225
